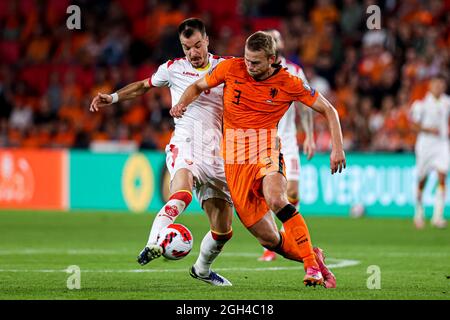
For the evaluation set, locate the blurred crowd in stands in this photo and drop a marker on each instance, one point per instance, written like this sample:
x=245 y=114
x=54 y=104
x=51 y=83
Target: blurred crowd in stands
x=49 y=74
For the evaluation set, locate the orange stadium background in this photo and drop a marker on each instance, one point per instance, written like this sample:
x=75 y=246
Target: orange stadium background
x=49 y=74
x=33 y=179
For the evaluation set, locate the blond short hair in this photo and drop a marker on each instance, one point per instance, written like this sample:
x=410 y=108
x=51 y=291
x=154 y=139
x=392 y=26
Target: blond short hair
x=261 y=41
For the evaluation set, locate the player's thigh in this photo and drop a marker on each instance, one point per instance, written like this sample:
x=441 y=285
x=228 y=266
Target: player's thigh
x=274 y=190
x=214 y=196
x=246 y=193
x=220 y=214
x=424 y=165
x=266 y=231
x=183 y=179
x=181 y=168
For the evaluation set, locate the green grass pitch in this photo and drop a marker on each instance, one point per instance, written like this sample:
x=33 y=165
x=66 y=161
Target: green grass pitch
x=37 y=247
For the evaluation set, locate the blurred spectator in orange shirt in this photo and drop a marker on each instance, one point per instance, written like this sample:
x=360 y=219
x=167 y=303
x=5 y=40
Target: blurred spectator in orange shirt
x=71 y=89
x=324 y=12
x=38 y=48
x=65 y=135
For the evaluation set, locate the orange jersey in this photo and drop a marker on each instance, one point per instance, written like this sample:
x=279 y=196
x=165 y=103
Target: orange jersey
x=252 y=108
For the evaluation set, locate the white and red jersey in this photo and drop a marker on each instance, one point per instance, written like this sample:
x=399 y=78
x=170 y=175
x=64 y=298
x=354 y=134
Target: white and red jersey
x=195 y=143
x=287 y=129
x=178 y=74
x=432 y=151
x=431 y=112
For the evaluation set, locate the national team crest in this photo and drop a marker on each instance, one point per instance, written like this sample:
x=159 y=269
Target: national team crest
x=273 y=92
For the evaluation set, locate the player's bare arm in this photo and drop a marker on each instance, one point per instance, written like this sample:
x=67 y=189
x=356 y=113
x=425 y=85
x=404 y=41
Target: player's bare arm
x=128 y=92
x=306 y=119
x=189 y=95
x=337 y=157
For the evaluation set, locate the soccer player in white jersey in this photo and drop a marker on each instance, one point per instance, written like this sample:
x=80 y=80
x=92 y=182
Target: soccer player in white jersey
x=430 y=118
x=193 y=155
x=287 y=130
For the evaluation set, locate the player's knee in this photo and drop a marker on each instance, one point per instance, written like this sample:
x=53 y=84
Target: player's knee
x=292 y=194
x=286 y=213
x=276 y=203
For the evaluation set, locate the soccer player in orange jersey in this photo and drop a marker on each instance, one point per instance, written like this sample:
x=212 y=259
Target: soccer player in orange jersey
x=287 y=131
x=256 y=95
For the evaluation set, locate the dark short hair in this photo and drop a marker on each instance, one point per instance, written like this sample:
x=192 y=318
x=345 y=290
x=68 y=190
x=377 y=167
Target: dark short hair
x=440 y=75
x=188 y=27
x=262 y=41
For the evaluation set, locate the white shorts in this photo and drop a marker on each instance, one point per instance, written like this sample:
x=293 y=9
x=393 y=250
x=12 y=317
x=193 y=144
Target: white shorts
x=291 y=157
x=431 y=157
x=209 y=174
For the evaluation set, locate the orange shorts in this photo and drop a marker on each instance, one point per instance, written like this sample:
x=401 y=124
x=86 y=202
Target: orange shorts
x=245 y=184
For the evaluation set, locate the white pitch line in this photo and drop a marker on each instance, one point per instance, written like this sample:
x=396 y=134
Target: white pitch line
x=340 y=263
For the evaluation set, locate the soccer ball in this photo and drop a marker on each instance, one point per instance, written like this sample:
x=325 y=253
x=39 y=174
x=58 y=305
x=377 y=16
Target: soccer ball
x=176 y=241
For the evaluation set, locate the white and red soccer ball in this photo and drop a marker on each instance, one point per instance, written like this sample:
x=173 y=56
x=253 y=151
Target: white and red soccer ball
x=176 y=241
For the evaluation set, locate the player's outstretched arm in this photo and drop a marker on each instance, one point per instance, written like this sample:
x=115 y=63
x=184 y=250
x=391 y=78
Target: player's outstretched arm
x=337 y=157
x=189 y=95
x=306 y=119
x=128 y=92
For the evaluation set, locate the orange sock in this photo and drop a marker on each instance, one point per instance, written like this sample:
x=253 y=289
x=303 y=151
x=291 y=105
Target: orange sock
x=296 y=229
x=288 y=248
x=297 y=241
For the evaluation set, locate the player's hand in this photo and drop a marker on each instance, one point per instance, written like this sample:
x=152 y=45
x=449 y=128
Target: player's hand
x=100 y=100
x=178 y=110
x=309 y=147
x=337 y=161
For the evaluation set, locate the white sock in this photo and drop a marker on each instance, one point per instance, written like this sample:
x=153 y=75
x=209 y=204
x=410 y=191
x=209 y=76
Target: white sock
x=209 y=250
x=439 y=203
x=167 y=215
